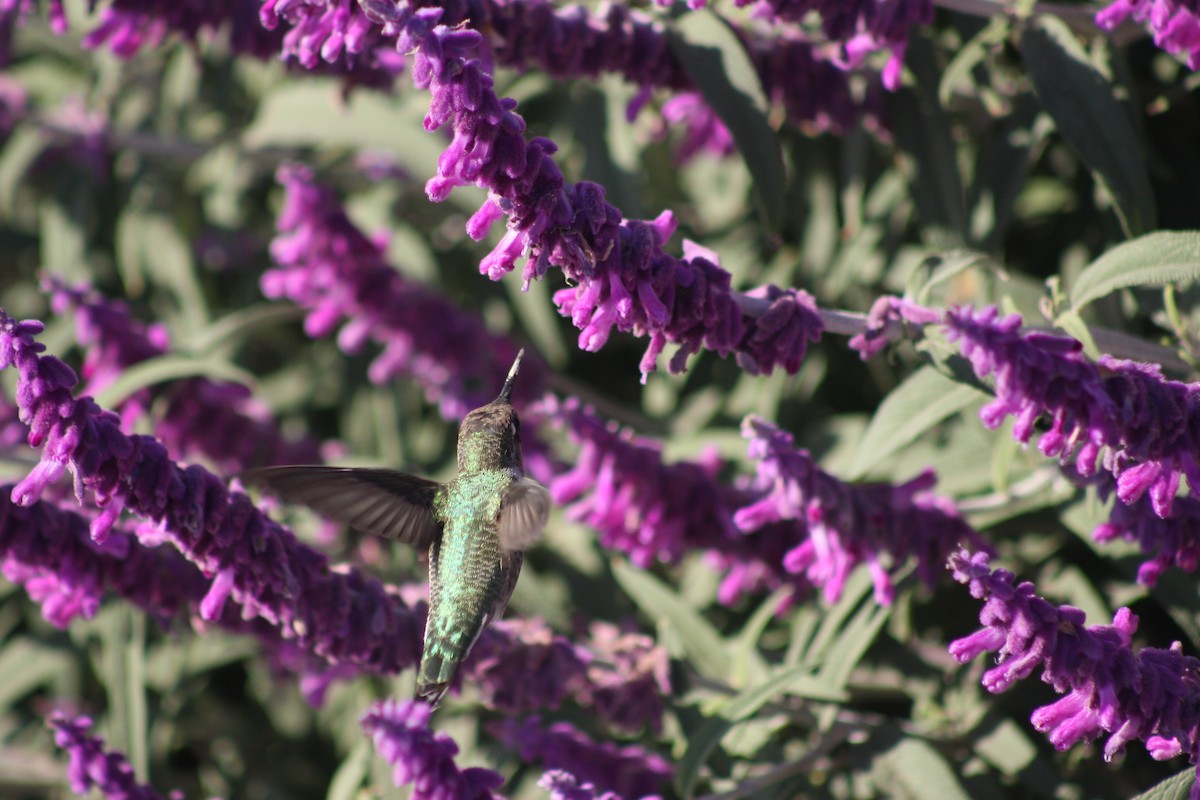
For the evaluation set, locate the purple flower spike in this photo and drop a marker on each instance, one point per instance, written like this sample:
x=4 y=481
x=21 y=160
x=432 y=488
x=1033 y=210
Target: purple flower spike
x=520 y=665
x=780 y=333
x=423 y=758
x=887 y=314
x=340 y=615
x=49 y=551
x=329 y=267
x=630 y=770
x=93 y=767
x=217 y=419
x=620 y=486
x=562 y=785
x=1146 y=428
x=1175 y=24
x=1174 y=539
x=1151 y=695
x=838 y=526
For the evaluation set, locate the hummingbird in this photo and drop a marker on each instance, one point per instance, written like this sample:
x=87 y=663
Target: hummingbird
x=475 y=527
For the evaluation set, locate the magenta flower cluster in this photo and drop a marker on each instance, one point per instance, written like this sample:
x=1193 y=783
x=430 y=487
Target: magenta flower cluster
x=1110 y=689
x=1119 y=415
x=422 y=757
x=838 y=526
x=92 y=766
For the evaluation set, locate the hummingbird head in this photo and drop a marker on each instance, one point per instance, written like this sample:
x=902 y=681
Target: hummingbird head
x=490 y=436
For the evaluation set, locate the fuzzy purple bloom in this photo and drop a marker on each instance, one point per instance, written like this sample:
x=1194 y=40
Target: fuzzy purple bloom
x=49 y=551
x=884 y=319
x=620 y=486
x=1175 y=24
x=520 y=665
x=342 y=277
x=627 y=678
x=1144 y=429
x=341 y=616
x=839 y=526
x=219 y=420
x=1174 y=539
x=562 y=785
x=92 y=766
x=628 y=770
x=422 y=757
x=623 y=277
x=778 y=335
x=1152 y=695
x=862 y=28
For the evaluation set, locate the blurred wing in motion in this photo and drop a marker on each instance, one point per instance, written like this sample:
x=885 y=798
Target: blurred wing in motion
x=379 y=501
x=524 y=510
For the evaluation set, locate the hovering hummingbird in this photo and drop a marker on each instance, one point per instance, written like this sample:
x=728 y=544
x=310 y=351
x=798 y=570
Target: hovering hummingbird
x=476 y=526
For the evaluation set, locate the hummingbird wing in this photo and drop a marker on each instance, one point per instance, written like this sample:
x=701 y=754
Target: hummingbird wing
x=379 y=501
x=524 y=509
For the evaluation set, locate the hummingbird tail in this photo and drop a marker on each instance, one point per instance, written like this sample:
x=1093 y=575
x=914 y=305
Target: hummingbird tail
x=434 y=677
x=432 y=692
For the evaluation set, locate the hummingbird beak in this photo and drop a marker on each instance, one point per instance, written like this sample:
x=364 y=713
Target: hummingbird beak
x=506 y=390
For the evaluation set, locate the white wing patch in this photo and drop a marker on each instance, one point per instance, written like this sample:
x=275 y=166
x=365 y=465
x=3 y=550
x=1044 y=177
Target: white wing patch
x=524 y=510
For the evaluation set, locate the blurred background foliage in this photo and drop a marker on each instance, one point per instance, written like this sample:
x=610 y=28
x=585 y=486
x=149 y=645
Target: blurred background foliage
x=153 y=179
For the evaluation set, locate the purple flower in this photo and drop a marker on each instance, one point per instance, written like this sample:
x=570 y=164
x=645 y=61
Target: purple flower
x=623 y=277
x=1174 y=539
x=884 y=320
x=219 y=420
x=627 y=678
x=778 y=335
x=703 y=131
x=1146 y=428
x=341 y=616
x=862 y=28
x=619 y=485
x=520 y=665
x=629 y=770
x=328 y=266
x=839 y=526
x=93 y=767
x=1174 y=23
x=1151 y=695
x=563 y=785
x=423 y=758
x=49 y=551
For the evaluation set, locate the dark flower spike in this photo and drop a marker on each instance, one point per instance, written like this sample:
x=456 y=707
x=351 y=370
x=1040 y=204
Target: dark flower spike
x=400 y=730
x=336 y=613
x=1151 y=695
x=838 y=526
x=628 y=770
x=1175 y=24
x=562 y=785
x=216 y=419
x=92 y=766
x=623 y=277
x=1140 y=427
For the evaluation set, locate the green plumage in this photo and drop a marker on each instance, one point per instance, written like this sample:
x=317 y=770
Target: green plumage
x=476 y=527
x=470 y=579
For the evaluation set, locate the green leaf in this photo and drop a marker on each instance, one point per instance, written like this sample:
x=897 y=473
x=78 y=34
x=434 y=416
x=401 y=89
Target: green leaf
x=1089 y=116
x=1152 y=260
x=922 y=401
x=351 y=772
x=704 y=645
x=797 y=681
x=169 y=368
x=1176 y=787
x=748 y=663
x=236 y=326
x=717 y=62
x=26 y=664
x=913 y=769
